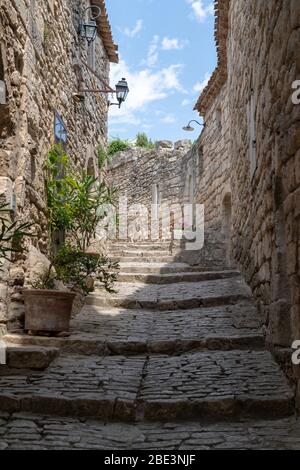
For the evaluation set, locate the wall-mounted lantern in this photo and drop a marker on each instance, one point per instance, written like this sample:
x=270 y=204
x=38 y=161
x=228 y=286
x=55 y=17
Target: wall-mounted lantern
x=122 y=91
x=189 y=128
x=88 y=30
x=88 y=27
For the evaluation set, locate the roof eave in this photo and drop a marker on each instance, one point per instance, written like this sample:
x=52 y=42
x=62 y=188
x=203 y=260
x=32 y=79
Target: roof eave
x=219 y=75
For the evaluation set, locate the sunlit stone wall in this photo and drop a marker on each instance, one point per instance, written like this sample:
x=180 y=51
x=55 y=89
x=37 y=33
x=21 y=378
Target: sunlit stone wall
x=40 y=65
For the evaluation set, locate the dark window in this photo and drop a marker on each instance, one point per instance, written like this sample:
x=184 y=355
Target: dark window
x=2 y=83
x=60 y=130
x=1 y=66
x=60 y=136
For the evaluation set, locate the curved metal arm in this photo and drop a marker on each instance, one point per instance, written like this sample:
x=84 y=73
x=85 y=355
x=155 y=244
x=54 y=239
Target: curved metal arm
x=193 y=120
x=93 y=7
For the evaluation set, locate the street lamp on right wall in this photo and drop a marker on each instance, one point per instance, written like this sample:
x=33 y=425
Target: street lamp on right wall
x=189 y=128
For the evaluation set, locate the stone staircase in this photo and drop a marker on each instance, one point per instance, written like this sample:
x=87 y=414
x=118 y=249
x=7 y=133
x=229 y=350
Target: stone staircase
x=174 y=360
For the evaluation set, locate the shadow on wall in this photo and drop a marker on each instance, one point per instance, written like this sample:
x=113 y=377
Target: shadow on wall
x=226 y=216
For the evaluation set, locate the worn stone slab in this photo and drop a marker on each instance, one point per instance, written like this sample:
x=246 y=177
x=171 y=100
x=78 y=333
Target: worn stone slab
x=158 y=267
x=143 y=253
x=162 y=245
x=215 y=385
x=173 y=296
x=29 y=357
x=143 y=257
x=106 y=331
x=211 y=385
x=76 y=385
x=175 y=277
x=29 y=431
x=162 y=268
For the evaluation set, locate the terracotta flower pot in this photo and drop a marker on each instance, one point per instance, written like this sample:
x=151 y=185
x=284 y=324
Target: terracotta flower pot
x=48 y=310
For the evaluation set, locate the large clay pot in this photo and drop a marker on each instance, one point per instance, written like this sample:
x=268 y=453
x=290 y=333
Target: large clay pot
x=48 y=310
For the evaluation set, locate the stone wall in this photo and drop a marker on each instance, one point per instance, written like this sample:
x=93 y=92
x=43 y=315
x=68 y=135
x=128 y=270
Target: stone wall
x=265 y=159
x=41 y=66
x=149 y=177
x=261 y=155
x=213 y=180
x=168 y=177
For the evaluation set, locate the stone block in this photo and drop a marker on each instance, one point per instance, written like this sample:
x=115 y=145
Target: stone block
x=30 y=357
x=6 y=188
x=295 y=322
x=182 y=144
x=295 y=14
x=280 y=324
x=164 y=145
x=37 y=263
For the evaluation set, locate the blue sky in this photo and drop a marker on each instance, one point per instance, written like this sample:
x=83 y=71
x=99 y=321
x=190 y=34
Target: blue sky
x=167 y=53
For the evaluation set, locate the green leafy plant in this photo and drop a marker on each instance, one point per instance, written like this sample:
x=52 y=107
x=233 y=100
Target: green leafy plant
x=11 y=233
x=103 y=157
x=117 y=145
x=59 y=195
x=77 y=202
x=46 y=280
x=143 y=141
x=90 y=200
x=79 y=271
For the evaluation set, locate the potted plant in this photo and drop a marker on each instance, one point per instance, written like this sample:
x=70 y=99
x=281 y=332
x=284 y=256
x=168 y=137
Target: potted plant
x=11 y=233
x=76 y=205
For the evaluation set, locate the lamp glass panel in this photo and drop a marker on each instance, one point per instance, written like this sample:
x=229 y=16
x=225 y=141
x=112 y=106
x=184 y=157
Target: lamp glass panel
x=90 y=29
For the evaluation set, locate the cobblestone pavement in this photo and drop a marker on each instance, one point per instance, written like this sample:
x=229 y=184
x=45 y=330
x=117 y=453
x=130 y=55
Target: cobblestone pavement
x=174 y=296
x=140 y=367
x=28 y=431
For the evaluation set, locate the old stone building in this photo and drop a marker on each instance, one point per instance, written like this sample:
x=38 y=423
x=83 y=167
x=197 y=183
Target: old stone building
x=250 y=148
x=44 y=63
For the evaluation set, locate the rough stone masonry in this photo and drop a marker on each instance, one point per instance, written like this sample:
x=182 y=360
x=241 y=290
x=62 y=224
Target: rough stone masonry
x=42 y=68
x=250 y=98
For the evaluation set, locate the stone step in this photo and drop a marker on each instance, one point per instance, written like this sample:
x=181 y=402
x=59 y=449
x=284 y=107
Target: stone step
x=144 y=254
x=207 y=385
x=171 y=278
x=144 y=259
x=160 y=268
x=28 y=356
x=102 y=331
x=144 y=246
x=184 y=295
x=23 y=431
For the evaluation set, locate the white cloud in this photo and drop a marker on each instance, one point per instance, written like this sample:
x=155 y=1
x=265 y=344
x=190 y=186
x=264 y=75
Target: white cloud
x=200 y=11
x=152 y=55
x=199 y=86
x=168 y=119
x=175 y=43
x=131 y=33
x=210 y=9
x=185 y=102
x=145 y=87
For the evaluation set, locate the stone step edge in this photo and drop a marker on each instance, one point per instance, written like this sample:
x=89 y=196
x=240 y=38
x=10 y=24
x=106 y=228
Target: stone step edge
x=28 y=356
x=160 y=268
x=146 y=260
x=132 y=348
x=170 y=278
x=114 y=408
x=168 y=304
